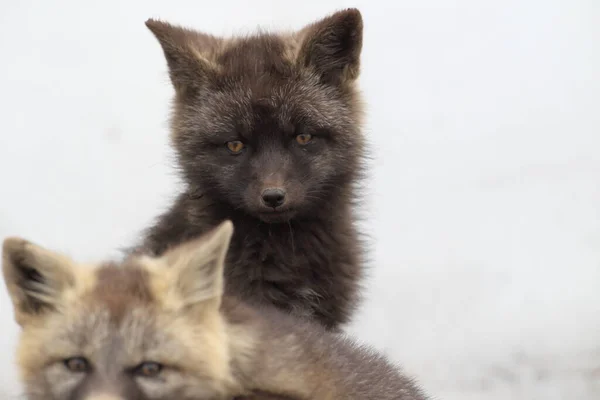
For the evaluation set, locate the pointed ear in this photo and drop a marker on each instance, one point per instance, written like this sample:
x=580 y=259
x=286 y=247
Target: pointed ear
x=332 y=46
x=36 y=278
x=198 y=266
x=185 y=51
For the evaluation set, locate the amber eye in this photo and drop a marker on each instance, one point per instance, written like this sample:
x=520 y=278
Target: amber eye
x=77 y=364
x=235 y=146
x=148 y=369
x=303 y=138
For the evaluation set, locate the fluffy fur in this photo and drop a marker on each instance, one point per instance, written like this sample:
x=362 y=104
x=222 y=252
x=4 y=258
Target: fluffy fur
x=158 y=328
x=267 y=133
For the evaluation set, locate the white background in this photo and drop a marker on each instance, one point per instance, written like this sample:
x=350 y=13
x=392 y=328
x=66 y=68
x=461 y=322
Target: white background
x=484 y=202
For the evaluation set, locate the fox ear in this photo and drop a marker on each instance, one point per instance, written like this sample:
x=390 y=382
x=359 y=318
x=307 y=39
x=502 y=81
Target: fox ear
x=185 y=51
x=332 y=46
x=36 y=278
x=198 y=266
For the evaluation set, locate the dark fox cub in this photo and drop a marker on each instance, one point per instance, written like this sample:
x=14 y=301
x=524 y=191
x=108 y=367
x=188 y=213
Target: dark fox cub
x=158 y=328
x=267 y=134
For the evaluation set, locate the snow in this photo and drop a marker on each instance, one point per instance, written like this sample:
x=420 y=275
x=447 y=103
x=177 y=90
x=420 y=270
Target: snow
x=484 y=200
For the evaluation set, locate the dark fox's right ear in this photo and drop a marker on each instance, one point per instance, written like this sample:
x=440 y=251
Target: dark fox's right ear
x=36 y=278
x=185 y=51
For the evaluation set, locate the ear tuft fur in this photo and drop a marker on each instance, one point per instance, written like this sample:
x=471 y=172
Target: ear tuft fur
x=199 y=265
x=184 y=50
x=332 y=46
x=35 y=277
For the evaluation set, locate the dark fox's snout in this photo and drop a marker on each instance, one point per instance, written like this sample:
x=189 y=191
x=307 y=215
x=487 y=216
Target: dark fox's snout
x=273 y=197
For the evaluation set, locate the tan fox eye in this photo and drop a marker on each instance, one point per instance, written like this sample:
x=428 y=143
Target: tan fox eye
x=77 y=364
x=303 y=138
x=148 y=369
x=235 y=146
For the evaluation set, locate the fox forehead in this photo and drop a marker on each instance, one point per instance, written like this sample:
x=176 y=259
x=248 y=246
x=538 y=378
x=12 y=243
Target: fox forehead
x=108 y=301
x=241 y=104
x=121 y=310
x=119 y=288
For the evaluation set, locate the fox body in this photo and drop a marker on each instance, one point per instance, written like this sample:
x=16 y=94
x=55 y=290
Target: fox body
x=266 y=129
x=163 y=328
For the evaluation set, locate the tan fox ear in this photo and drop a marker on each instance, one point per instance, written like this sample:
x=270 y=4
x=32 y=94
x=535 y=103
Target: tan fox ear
x=332 y=46
x=198 y=266
x=185 y=51
x=36 y=278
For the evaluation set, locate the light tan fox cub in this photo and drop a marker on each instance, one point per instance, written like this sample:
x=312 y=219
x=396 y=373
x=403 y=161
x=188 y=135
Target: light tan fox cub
x=160 y=328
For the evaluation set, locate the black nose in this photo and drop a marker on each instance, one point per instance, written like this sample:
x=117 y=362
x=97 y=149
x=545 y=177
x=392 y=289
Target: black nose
x=273 y=197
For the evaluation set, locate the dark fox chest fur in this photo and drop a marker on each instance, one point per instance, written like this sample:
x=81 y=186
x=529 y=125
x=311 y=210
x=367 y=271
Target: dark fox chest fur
x=307 y=267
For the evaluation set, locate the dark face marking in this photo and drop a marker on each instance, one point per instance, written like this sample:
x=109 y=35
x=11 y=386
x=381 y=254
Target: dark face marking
x=119 y=288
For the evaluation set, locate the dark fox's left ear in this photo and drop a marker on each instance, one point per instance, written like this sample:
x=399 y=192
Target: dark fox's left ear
x=332 y=46
x=36 y=278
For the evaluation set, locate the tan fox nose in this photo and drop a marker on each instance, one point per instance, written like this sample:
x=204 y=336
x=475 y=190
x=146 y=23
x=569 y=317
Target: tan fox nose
x=103 y=396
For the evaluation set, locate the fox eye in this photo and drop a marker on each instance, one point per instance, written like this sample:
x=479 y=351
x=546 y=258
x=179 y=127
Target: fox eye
x=77 y=364
x=148 y=369
x=303 y=138
x=235 y=146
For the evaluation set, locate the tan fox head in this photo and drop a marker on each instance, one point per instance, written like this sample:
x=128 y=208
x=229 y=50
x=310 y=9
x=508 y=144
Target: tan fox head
x=147 y=329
